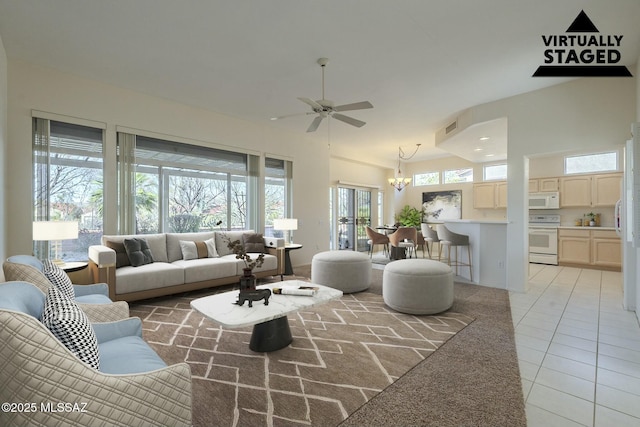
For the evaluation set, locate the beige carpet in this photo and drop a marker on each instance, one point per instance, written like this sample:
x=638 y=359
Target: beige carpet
x=344 y=354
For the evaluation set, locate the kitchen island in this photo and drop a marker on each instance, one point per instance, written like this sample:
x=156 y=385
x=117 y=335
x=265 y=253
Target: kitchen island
x=488 y=240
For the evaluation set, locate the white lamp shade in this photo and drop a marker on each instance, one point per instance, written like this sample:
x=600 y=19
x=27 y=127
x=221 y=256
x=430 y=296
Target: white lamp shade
x=285 y=224
x=55 y=230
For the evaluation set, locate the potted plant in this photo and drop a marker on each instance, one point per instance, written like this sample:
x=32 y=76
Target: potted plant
x=592 y=219
x=409 y=217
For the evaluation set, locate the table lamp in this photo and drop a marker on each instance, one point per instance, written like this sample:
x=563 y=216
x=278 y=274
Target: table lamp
x=286 y=224
x=55 y=231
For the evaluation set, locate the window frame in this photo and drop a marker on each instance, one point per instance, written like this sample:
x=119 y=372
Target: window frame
x=500 y=178
x=616 y=168
x=432 y=173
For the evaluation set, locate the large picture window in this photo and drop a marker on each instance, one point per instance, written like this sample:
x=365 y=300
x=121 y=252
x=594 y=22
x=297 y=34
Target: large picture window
x=277 y=193
x=68 y=183
x=180 y=188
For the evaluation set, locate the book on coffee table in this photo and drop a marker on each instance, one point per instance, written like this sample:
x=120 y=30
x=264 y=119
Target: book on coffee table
x=296 y=290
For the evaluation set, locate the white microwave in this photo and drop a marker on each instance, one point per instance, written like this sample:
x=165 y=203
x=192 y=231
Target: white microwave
x=544 y=200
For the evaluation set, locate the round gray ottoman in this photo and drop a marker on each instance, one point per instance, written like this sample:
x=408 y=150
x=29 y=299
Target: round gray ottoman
x=417 y=286
x=347 y=271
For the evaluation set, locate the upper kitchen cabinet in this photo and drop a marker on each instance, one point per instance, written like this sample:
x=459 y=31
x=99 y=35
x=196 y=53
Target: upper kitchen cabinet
x=490 y=195
x=590 y=190
x=543 y=185
x=606 y=189
x=575 y=191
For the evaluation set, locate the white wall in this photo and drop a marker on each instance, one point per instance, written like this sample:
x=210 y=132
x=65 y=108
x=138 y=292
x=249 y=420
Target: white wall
x=586 y=113
x=3 y=154
x=35 y=87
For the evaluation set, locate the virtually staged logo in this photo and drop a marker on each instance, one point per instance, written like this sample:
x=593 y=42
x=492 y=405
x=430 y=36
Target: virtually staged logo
x=581 y=53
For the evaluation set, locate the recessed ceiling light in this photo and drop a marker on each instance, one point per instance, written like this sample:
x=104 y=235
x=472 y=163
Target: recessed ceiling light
x=489 y=155
x=484 y=138
x=477 y=149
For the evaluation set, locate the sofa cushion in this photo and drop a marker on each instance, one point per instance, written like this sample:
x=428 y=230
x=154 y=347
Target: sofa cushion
x=224 y=237
x=199 y=270
x=122 y=259
x=149 y=276
x=157 y=243
x=174 y=251
x=58 y=278
x=71 y=326
x=253 y=242
x=138 y=252
x=270 y=263
x=128 y=355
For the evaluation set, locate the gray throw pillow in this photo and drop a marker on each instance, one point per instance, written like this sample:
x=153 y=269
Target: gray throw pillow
x=138 y=252
x=253 y=242
x=122 y=259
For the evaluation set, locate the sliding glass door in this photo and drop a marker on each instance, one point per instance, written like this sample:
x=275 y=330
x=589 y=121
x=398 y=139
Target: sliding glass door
x=353 y=214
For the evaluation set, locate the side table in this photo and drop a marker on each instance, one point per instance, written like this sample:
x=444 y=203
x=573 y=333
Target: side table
x=288 y=268
x=70 y=267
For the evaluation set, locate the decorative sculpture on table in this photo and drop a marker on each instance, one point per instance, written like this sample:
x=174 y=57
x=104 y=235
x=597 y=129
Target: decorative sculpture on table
x=254 y=295
x=248 y=291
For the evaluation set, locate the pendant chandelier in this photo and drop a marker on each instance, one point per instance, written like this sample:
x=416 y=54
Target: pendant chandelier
x=399 y=182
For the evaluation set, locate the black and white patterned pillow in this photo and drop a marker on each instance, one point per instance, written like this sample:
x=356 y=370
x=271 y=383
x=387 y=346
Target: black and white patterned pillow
x=58 y=278
x=71 y=326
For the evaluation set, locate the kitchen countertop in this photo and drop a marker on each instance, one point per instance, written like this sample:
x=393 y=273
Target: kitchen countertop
x=575 y=227
x=478 y=221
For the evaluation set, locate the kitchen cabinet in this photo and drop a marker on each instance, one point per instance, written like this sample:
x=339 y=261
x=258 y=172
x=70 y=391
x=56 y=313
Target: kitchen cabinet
x=589 y=247
x=590 y=190
x=606 y=249
x=574 y=246
x=490 y=195
x=501 y=195
x=605 y=189
x=575 y=191
x=543 y=185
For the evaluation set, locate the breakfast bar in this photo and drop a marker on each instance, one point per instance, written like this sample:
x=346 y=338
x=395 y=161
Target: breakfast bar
x=488 y=242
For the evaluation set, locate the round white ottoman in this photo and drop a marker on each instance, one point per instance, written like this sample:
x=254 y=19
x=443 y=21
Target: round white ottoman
x=417 y=286
x=347 y=271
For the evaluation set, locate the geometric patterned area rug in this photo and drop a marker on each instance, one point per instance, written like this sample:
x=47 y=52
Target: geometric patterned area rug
x=343 y=354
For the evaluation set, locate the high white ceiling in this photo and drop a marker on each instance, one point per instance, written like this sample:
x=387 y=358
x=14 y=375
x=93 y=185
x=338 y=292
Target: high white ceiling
x=418 y=62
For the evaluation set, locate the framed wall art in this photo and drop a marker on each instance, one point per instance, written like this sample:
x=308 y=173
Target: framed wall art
x=442 y=205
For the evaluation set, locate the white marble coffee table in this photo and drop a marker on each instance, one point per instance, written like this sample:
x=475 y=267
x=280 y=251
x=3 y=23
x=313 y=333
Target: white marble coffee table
x=270 y=324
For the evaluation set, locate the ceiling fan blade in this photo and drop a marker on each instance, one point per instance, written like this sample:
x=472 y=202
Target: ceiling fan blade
x=349 y=120
x=312 y=103
x=292 y=115
x=355 y=106
x=314 y=124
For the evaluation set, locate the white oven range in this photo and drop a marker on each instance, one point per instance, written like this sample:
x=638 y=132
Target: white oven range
x=543 y=239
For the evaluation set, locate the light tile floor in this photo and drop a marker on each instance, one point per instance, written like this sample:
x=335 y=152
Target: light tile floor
x=578 y=349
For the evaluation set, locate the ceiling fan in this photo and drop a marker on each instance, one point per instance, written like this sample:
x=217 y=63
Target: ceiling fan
x=324 y=108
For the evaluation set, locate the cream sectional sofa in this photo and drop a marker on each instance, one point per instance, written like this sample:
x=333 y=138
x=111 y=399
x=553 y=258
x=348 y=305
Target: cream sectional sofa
x=169 y=273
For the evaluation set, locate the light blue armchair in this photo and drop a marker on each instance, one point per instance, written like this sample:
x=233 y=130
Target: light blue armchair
x=133 y=385
x=93 y=299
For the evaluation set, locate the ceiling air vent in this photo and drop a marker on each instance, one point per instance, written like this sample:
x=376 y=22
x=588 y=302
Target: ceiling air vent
x=453 y=126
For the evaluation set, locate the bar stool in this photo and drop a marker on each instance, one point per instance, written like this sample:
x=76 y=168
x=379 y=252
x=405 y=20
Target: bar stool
x=430 y=237
x=450 y=239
